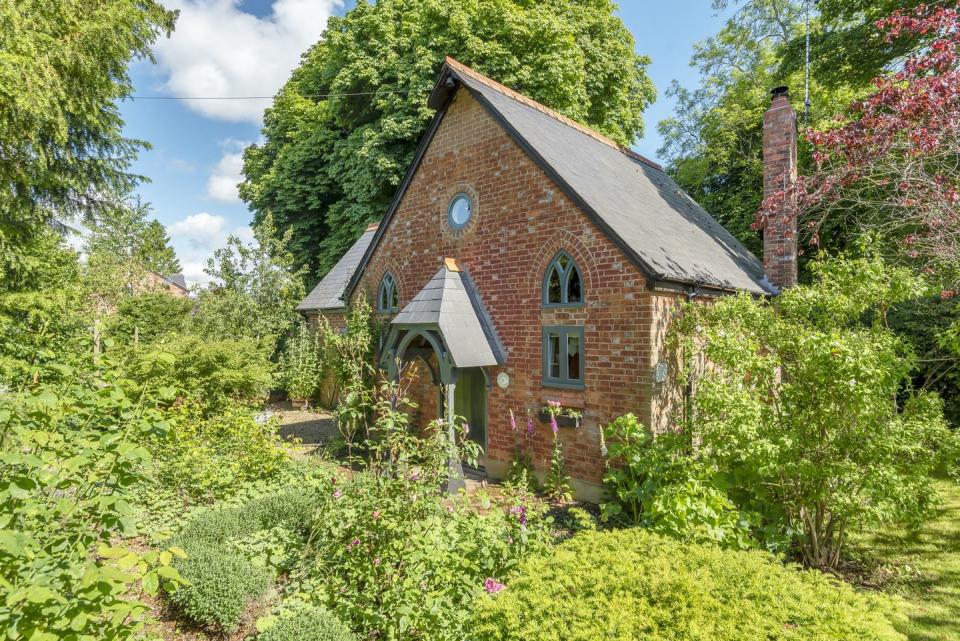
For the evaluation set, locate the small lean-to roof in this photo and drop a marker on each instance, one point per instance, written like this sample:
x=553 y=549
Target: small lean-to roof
x=450 y=303
x=329 y=292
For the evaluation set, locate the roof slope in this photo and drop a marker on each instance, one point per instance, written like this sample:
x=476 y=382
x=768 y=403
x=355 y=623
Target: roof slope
x=448 y=302
x=636 y=202
x=328 y=294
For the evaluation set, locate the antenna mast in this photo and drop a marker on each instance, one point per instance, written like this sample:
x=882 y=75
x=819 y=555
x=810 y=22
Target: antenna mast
x=806 y=98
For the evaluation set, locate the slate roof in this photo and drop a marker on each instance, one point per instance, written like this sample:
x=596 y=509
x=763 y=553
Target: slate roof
x=630 y=197
x=328 y=294
x=178 y=279
x=450 y=302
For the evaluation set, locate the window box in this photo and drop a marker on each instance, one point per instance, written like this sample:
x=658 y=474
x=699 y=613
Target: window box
x=562 y=421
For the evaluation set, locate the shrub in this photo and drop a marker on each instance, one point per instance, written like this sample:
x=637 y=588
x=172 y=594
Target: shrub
x=390 y=559
x=807 y=411
x=220 y=585
x=149 y=316
x=216 y=374
x=632 y=584
x=301 y=363
x=658 y=483
x=234 y=553
x=207 y=458
x=307 y=623
x=70 y=455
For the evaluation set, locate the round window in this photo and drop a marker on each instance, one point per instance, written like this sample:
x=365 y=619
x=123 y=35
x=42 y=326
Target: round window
x=461 y=209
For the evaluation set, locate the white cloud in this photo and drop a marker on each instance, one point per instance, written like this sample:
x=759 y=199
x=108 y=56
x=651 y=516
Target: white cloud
x=219 y=50
x=222 y=184
x=197 y=236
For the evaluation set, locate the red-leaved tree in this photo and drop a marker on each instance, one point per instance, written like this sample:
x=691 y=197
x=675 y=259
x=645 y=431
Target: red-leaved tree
x=892 y=166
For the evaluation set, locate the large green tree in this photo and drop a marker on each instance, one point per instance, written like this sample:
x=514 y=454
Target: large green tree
x=713 y=142
x=63 y=67
x=330 y=163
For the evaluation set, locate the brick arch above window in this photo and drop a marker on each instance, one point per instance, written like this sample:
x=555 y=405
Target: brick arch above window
x=563 y=241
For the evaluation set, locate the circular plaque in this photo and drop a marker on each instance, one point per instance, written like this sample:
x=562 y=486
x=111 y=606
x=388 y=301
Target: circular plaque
x=503 y=380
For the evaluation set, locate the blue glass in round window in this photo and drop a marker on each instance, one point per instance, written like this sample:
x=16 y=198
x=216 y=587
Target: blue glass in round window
x=461 y=209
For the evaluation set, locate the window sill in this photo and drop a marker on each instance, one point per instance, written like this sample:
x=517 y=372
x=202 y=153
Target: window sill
x=576 y=387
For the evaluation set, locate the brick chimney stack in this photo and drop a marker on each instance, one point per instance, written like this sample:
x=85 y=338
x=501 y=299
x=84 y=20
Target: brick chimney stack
x=779 y=173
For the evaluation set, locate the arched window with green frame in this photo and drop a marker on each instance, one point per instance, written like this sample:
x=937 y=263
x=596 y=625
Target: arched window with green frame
x=562 y=284
x=388 y=295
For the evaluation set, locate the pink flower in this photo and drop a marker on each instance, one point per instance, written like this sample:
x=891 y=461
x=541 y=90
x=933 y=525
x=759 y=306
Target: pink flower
x=553 y=424
x=352 y=544
x=530 y=429
x=513 y=422
x=376 y=561
x=554 y=404
x=337 y=494
x=492 y=586
x=375 y=515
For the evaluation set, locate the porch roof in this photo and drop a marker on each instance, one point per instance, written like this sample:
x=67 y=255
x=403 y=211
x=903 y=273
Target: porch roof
x=450 y=303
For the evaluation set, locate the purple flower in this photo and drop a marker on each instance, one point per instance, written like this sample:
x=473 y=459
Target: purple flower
x=375 y=515
x=337 y=494
x=492 y=586
x=513 y=422
x=352 y=544
x=530 y=429
x=520 y=511
x=414 y=476
x=376 y=561
x=553 y=424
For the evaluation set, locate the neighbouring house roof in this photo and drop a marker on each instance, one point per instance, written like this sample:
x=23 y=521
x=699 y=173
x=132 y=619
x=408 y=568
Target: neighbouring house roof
x=177 y=279
x=669 y=236
x=328 y=294
x=449 y=302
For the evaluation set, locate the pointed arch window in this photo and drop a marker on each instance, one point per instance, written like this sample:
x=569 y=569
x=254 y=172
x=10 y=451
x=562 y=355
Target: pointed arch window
x=563 y=284
x=388 y=296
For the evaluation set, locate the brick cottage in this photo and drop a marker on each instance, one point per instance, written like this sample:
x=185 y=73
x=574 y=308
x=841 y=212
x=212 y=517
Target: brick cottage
x=526 y=258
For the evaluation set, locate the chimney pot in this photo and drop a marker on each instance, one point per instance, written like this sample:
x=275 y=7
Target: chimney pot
x=781 y=92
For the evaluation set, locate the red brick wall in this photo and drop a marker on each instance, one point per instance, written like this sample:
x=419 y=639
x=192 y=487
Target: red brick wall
x=521 y=220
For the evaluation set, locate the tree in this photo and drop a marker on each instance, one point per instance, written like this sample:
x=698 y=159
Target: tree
x=890 y=167
x=155 y=251
x=254 y=292
x=714 y=141
x=330 y=165
x=805 y=412
x=63 y=66
x=121 y=247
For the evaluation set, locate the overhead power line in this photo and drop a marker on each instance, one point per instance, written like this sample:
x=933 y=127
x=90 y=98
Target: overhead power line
x=318 y=95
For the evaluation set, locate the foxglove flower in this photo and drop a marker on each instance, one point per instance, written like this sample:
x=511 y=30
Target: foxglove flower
x=492 y=586
x=513 y=422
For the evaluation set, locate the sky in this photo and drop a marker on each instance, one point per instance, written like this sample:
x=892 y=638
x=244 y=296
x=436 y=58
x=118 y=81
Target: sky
x=249 y=48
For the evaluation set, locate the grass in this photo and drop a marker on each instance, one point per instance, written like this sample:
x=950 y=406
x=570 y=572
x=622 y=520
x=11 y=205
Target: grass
x=923 y=567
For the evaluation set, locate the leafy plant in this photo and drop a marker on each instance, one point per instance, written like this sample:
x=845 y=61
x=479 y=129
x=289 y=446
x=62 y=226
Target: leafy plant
x=557 y=482
x=70 y=454
x=308 y=623
x=668 y=590
x=300 y=365
x=805 y=407
x=214 y=374
x=207 y=457
x=660 y=484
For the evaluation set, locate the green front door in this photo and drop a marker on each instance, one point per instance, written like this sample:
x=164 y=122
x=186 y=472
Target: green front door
x=470 y=402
